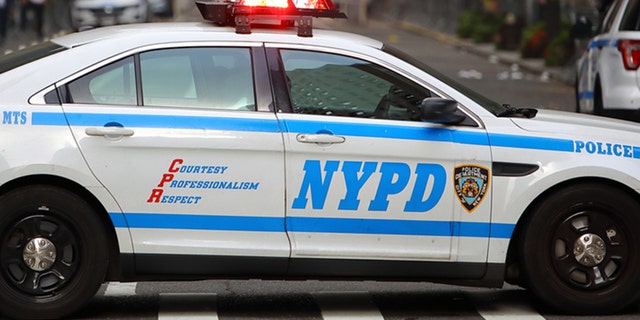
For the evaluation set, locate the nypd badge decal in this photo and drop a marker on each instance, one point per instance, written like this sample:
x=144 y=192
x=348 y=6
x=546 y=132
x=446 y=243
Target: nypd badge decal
x=471 y=184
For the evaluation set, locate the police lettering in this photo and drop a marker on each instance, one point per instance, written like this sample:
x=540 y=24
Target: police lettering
x=393 y=178
x=608 y=149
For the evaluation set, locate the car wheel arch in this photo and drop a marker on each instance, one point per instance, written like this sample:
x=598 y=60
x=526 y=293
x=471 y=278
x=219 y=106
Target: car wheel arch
x=114 y=269
x=513 y=273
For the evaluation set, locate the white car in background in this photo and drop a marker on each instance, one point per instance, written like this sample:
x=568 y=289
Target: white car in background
x=161 y=7
x=608 y=80
x=98 y=13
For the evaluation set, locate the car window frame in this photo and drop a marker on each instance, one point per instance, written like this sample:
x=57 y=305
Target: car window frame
x=607 y=23
x=261 y=80
x=283 y=99
x=629 y=14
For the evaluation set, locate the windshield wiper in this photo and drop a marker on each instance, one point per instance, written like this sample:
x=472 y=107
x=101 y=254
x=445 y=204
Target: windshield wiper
x=518 y=112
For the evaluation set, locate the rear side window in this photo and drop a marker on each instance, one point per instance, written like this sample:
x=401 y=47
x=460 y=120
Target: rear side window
x=216 y=78
x=113 y=84
x=631 y=17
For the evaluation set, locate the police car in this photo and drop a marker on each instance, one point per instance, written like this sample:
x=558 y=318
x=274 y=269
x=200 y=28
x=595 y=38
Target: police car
x=608 y=82
x=194 y=150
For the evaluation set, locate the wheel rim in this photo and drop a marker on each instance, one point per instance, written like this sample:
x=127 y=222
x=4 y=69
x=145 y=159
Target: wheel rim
x=40 y=255
x=590 y=250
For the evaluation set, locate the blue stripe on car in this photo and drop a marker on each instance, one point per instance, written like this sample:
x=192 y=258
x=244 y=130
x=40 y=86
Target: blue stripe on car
x=313 y=225
x=303 y=126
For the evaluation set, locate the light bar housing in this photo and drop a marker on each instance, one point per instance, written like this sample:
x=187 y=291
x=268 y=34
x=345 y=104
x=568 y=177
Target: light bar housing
x=242 y=13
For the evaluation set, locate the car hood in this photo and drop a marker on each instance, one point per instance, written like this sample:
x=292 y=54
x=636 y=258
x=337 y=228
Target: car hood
x=551 y=121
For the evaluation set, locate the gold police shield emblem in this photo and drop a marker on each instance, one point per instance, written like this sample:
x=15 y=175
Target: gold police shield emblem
x=472 y=183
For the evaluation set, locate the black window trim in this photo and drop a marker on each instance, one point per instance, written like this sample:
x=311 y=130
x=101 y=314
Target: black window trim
x=282 y=96
x=262 y=82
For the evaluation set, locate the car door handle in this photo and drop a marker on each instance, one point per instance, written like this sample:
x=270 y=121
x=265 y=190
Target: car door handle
x=320 y=138
x=109 y=131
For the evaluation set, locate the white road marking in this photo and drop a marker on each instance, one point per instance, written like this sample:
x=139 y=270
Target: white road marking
x=191 y=306
x=118 y=289
x=347 y=306
x=500 y=309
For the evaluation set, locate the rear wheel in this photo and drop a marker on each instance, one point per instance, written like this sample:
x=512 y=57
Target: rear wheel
x=579 y=250
x=53 y=252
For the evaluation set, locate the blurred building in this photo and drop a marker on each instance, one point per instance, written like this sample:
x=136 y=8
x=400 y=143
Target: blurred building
x=444 y=15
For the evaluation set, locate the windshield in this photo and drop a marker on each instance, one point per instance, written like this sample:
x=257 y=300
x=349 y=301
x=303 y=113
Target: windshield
x=490 y=105
x=24 y=56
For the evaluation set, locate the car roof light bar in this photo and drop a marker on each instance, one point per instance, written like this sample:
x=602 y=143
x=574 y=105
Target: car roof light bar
x=241 y=13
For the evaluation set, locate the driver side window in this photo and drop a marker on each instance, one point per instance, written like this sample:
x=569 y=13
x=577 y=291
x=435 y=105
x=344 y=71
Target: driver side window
x=330 y=84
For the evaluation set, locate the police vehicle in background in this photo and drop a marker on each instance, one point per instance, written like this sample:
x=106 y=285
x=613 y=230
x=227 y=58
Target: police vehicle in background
x=199 y=150
x=608 y=80
x=98 y=13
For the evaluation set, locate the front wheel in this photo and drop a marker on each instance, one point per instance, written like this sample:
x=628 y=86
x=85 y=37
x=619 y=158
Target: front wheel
x=579 y=251
x=53 y=254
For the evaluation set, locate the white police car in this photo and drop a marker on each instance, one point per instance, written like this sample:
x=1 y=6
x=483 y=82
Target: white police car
x=175 y=151
x=608 y=82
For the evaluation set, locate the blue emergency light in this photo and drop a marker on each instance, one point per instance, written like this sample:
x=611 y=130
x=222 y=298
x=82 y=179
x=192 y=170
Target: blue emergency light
x=241 y=13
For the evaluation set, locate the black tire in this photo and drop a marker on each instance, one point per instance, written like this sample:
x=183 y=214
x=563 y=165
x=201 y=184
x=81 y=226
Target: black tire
x=580 y=247
x=71 y=261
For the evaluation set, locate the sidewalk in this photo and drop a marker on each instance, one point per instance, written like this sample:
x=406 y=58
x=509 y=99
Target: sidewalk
x=564 y=74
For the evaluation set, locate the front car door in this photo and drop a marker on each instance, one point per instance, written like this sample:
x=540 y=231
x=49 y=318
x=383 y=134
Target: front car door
x=196 y=166
x=371 y=189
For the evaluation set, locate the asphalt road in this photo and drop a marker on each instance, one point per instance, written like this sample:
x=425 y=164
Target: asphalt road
x=258 y=299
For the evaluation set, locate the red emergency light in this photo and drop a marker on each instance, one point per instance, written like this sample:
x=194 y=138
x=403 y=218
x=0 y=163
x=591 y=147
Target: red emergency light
x=242 y=13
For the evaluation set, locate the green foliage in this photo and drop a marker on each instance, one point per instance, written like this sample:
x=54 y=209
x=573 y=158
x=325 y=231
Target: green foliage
x=560 y=49
x=468 y=21
x=479 y=26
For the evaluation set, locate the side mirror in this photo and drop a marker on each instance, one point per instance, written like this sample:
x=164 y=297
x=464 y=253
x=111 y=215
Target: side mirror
x=582 y=29
x=438 y=110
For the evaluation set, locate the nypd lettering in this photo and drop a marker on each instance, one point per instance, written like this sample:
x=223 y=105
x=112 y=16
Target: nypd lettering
x=392 y=178
x=605 y=148
x=14 y=117
x=197 y=177
x=471 y=183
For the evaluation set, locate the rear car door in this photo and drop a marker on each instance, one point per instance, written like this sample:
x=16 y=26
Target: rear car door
x=194 y=162
x=367 y=180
